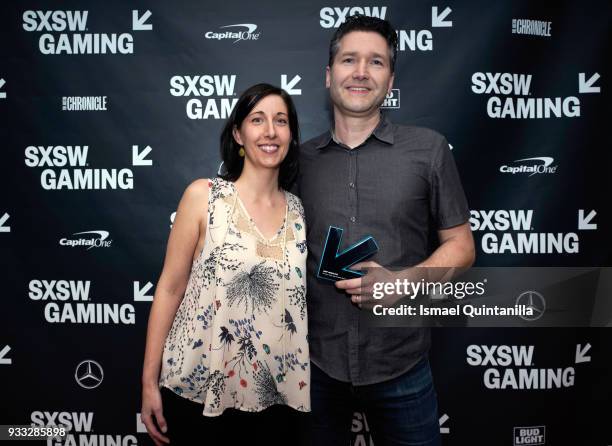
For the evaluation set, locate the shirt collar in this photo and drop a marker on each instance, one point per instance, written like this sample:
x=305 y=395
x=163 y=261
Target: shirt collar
x=383 y=132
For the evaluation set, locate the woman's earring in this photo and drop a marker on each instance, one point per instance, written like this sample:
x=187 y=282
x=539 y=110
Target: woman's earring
x=241 y=152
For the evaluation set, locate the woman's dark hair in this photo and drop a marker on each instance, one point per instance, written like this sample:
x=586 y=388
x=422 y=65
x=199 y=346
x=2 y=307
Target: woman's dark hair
x=232 y=161
x=365 y=23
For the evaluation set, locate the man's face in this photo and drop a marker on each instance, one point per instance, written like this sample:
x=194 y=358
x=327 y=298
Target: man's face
x=360 y=76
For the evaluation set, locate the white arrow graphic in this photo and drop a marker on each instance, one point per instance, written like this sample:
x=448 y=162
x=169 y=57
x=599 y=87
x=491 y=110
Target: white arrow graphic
x=437 y=20
x=3 y=219
x=140 y=294
x=3 y=352
x=585 y=86
x=584 y=223
x=288 y=86
x=138 y=23
x=450 y=146
x=444 y=419
x=140 y=427
x=2 y=93
x=581 y=353
x=138 y=159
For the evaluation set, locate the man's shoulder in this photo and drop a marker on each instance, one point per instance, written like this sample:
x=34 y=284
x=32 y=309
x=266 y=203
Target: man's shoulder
x=418 y=134
x=417 y=139
x=314 y=143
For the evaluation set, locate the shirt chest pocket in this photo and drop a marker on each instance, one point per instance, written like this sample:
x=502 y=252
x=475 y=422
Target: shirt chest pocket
x=401 y=194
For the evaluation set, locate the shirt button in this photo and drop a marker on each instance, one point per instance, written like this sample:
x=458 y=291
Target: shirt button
x=353 y=219
x=352 y=185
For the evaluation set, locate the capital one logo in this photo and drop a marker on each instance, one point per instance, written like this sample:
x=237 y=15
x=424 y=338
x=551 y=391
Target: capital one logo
x=89 y=374
x=239 y=31
x=98 y=239
x=532 y=166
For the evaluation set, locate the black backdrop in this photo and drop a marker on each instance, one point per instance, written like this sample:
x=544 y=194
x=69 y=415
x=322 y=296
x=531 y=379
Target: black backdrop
x=100 y=140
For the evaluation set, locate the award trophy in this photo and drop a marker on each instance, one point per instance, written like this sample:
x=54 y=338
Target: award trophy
x=335 y=265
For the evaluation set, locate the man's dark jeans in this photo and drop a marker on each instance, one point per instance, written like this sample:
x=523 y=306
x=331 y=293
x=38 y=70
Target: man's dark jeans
x=401 y=411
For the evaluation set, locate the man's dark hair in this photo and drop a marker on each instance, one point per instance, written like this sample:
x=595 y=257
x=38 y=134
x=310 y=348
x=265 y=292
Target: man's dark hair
x=232 y=161
x=365 y=23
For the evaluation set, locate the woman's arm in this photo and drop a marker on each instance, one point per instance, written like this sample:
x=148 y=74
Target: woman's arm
x=186 y=231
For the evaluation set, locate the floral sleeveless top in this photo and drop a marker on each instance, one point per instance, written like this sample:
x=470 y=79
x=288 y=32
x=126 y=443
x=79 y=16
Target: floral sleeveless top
x=239 y=337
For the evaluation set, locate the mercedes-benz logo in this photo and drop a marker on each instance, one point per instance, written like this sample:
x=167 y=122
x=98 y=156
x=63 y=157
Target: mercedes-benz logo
x=533 y=300
x=89 y=374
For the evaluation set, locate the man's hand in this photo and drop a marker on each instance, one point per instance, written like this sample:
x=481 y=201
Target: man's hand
x=360 y=289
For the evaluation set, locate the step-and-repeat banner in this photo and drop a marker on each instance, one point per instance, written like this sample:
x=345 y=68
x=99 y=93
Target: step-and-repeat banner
x=109 y=109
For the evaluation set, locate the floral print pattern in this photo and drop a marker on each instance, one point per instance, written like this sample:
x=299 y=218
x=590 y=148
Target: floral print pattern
x=239 y=337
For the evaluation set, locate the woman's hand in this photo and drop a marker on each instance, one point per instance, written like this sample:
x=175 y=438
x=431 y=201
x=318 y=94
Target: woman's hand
x=152 y=414
x=189 y=227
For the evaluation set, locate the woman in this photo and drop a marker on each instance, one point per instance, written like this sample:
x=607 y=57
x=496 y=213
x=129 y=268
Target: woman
x=228 y=325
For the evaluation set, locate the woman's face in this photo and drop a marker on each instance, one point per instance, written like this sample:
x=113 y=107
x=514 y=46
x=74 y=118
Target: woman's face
x=265 y=133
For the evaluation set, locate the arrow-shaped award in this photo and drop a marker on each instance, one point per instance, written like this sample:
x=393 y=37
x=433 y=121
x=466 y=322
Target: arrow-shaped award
x=336 y=265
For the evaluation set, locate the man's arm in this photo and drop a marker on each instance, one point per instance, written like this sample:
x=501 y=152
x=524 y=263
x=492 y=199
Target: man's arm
x=456 y=248
x=455 y=254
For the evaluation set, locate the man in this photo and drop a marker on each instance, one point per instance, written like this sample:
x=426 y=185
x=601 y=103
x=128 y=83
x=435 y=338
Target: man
x=372 y=177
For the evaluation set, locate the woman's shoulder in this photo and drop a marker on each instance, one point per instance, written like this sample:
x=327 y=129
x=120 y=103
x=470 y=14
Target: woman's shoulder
x=198 y=188
x=195 y=196
x=215 y=187
x=294 y=204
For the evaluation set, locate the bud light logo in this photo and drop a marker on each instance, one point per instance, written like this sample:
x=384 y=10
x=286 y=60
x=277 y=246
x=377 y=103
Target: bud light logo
x=392 y=100
x=532 y=435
